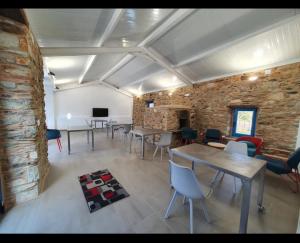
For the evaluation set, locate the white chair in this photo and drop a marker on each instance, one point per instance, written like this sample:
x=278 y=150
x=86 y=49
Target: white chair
x=164 y=142
x=125 y=129
x=234 y=147
x=185 y=183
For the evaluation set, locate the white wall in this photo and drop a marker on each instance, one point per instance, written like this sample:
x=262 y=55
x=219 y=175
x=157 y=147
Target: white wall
x=49 y=102
x=80 y=101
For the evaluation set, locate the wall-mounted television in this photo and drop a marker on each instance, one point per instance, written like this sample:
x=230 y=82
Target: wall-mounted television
x=100 y=112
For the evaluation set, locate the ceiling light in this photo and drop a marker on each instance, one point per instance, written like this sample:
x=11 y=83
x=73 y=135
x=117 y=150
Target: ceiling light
x=174 y=78
x=155 y=11
x=253 y=78
x=170 y=94
x=258 y=53
x=69 y=116
x=267 y=71
x=186 y=95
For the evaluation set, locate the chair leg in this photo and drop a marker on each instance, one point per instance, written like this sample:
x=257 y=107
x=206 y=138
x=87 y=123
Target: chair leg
x=161 y=153
x=204 y=209
x=191 y=216
x=58 y=144
x=155 y=152
x=215 y=178
x=170 y=205
x=183 y=200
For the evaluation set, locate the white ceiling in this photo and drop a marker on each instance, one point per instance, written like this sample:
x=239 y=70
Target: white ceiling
x=202 y=44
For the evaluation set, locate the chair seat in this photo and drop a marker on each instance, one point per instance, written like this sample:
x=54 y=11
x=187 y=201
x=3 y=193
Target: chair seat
x=275 y=165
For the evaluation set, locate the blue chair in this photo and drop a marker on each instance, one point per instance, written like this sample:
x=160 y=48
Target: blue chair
x=54 y=134
x=212 y=135
x=188 y=134
x=289 y=167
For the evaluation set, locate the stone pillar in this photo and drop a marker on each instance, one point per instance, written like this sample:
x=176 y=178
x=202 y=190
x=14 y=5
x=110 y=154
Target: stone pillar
x=23 y=145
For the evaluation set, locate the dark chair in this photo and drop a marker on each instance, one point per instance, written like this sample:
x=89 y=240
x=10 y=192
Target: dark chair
x=188 y=135
x=281 y=167
x=54 y=134
x=212 y=135
x=254 y=144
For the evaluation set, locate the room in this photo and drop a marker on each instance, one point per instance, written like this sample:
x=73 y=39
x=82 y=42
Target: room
x=150 y=121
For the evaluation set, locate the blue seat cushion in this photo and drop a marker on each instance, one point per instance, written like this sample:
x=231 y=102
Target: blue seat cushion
x=53 y=134
x=275 y=165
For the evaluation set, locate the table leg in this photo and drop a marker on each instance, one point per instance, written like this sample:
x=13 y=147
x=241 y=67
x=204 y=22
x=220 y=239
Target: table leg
x=92 y=139
x=143 y=147
x=106 y=130
x=69 y=146
x=245 y=205
x=88 y=136
x=261 y=189
x=131 y=138
x=112 y=132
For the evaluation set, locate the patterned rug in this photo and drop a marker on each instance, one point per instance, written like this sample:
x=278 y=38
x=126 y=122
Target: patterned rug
x=100 y=189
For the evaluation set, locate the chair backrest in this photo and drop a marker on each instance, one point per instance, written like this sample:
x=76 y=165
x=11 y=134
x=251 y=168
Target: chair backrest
x=88 y=122
x=165 y=138
x=212 y=133
x=256 y=140
x=127 y=128
x=294 y=159
x=184 y=181
x=188 y=133
x=53 y=134
x=236 y=147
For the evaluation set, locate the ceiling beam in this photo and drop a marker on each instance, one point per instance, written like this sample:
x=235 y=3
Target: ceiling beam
x=93 y=83
x=158 y=58
x=78 y=51
x=235 y=41
x=173 y=20
x=108 y=30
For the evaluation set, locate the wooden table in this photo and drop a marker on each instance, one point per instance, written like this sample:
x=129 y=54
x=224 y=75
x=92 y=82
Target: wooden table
x=112 y=125
x=144 y=132
x=216 y=145
x=244 y=167
x=80 y=129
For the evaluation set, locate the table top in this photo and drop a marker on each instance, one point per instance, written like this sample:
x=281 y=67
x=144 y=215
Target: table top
x=79 y=128
x=118 y=124
x=146 y=131
x=216 y=145
x=232 y=163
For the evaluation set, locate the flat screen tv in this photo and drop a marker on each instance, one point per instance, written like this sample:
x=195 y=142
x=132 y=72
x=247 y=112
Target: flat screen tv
x=100 y=112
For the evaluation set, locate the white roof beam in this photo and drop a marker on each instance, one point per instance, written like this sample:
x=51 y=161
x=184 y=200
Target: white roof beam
x=78 y=51
x=109 y=29
x=173 y=20
x=235 y=41
x=158 y=58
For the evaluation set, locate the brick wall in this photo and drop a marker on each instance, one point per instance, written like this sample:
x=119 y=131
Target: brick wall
x=276 y=95
x=23 y=146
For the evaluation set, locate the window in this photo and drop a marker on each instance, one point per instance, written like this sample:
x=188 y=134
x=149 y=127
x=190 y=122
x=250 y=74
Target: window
x=244 y=120
x=150 y=103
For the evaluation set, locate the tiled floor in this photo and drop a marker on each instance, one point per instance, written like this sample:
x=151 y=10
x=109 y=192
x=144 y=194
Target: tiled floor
x=62 y=208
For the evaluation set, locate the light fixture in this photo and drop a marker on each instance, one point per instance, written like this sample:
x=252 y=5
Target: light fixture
x=69 y=116
x=258 y=53
x=268 y=71
x=170 y=93
x=253 y=78
x=187 y=95
x=155 y=11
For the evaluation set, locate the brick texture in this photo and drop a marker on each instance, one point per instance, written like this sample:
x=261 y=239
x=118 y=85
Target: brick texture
x=277 y=97
x=23 y=145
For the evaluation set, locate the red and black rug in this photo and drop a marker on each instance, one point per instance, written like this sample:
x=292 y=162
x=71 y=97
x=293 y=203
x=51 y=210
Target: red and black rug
x=100 y=189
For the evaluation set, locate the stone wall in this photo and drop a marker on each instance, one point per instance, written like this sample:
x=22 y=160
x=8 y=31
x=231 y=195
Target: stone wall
x=23 y=145
x=277 y=97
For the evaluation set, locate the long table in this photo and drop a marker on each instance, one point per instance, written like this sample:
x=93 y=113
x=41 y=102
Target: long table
x=244 y=167
x=144 y=132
